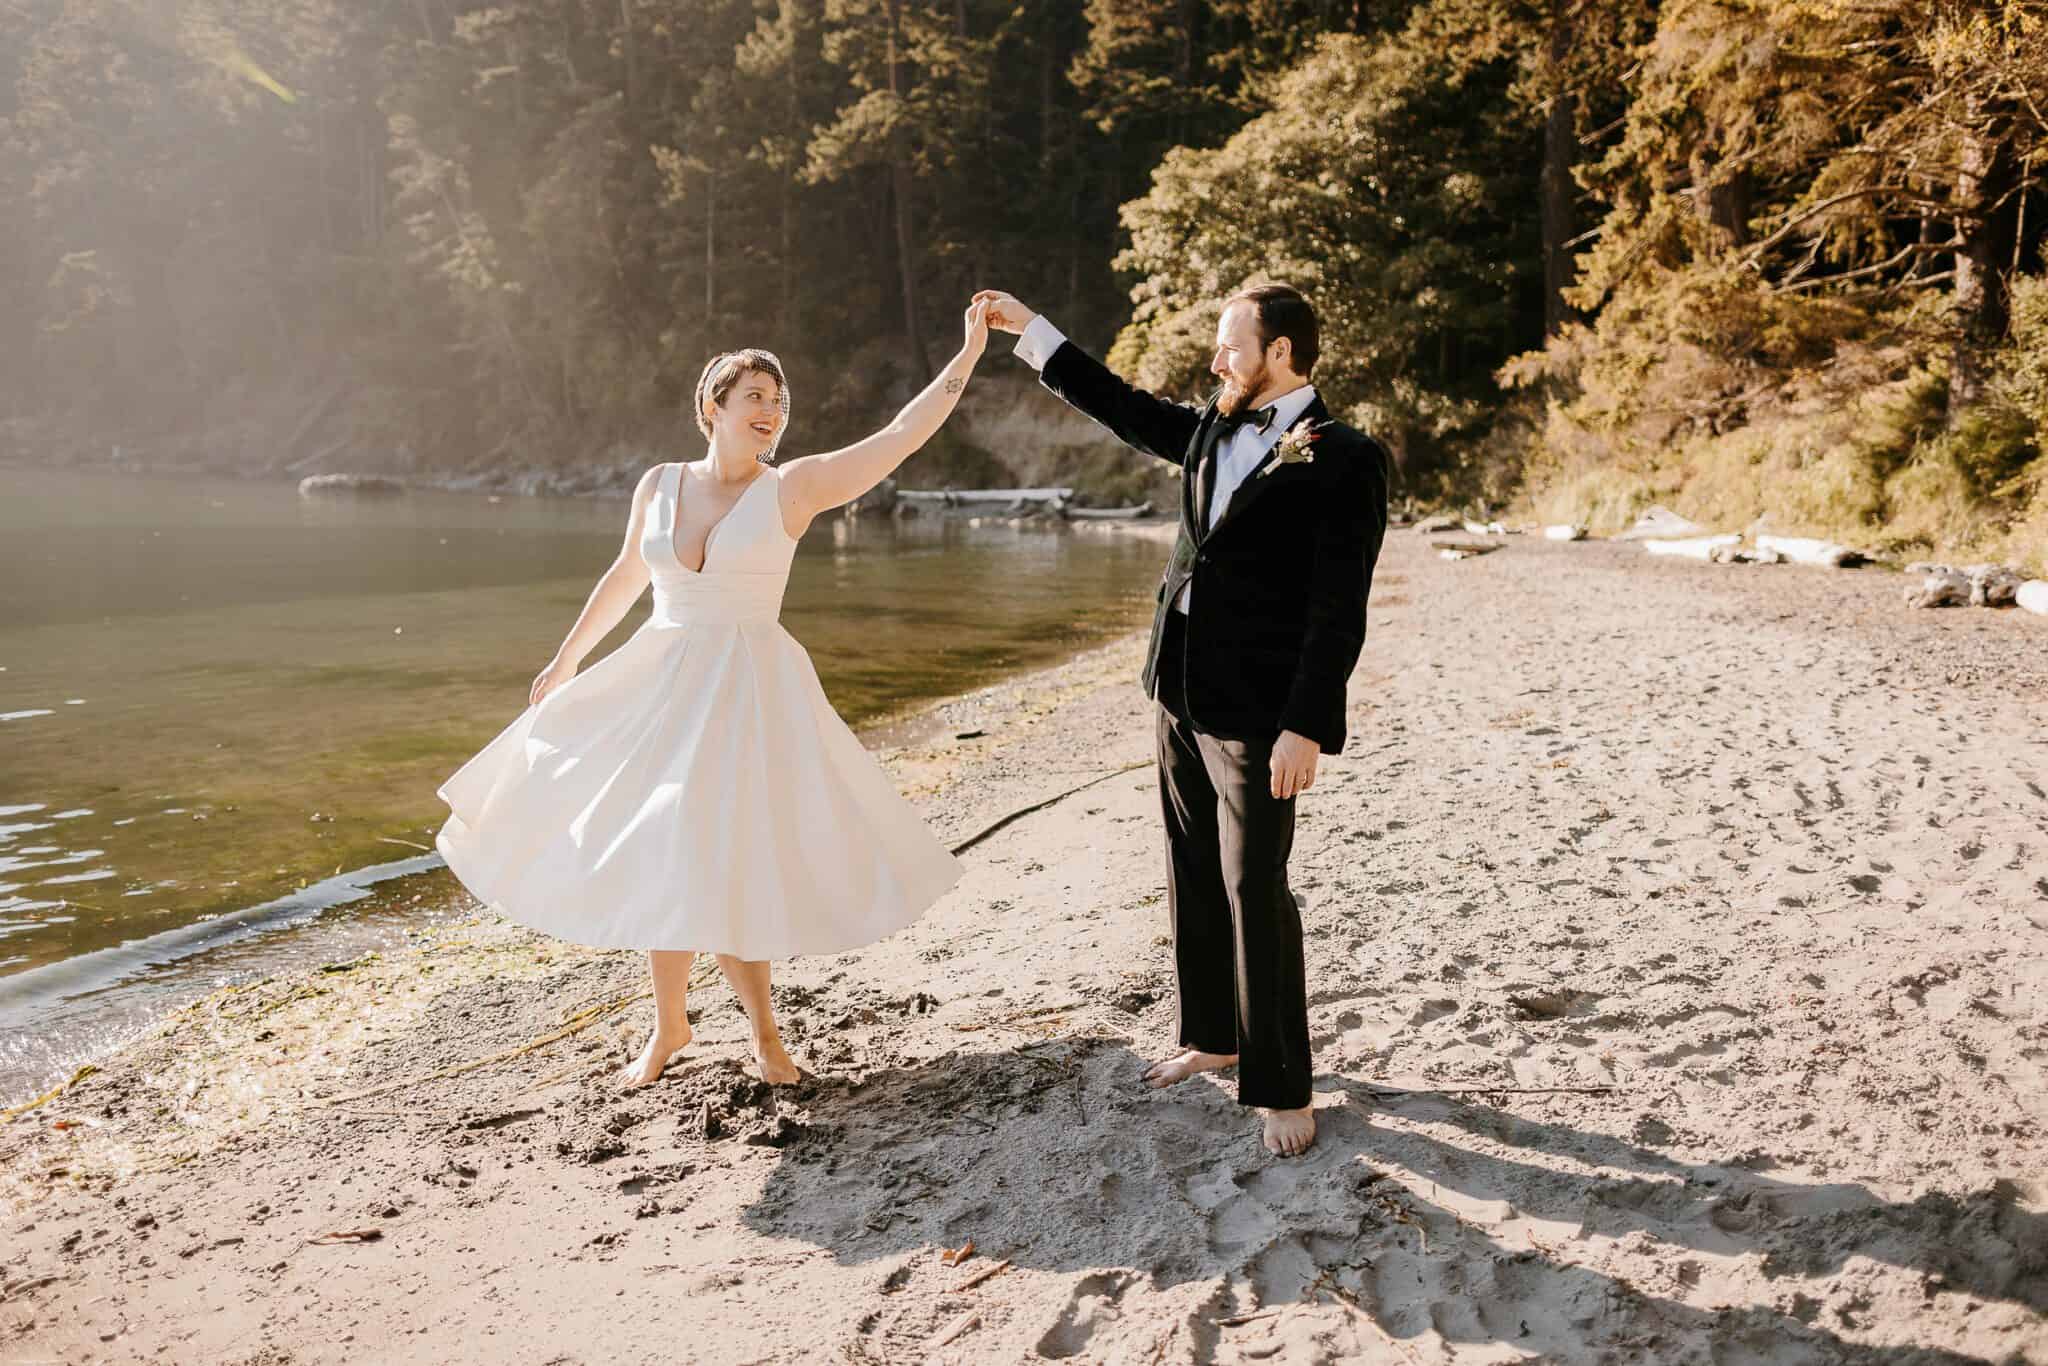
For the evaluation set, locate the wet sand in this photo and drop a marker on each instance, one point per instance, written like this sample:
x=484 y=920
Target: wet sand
x=1678 y=959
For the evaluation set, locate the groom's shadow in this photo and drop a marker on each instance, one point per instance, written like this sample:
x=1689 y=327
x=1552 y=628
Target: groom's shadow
x=1054 y=1156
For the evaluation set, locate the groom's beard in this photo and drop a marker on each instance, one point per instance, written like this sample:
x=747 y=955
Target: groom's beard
x=1236 y=397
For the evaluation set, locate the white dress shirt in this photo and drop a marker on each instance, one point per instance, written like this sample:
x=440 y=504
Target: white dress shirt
x=1243 y=451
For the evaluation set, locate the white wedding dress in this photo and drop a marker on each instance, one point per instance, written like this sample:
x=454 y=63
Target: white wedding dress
x=694 y=789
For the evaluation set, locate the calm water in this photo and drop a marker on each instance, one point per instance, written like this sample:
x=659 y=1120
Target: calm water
x=217 y=696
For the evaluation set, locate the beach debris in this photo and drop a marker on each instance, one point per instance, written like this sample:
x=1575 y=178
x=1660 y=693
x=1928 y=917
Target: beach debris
x=1461 y=550
x=1743 y=554
x=1023 y=811
x=315 y=485
x=1977 y=585
x=953 y=1256
x=347 y=1235
x=574 y=1024
x=708 y=1122
x=1692 y=548
x=973 y=497
x=957 y=1327
x=1804 y=550
x=1565 y=532
x=1993 y=585
x=1662 y=524
x=1131 y=513
x=1485 y=528
x=2033 y=596
x=1429 y=526
x=987 y=1273
x=46 y=1097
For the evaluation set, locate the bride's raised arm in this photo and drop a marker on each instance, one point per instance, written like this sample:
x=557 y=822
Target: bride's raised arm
x=818 y=482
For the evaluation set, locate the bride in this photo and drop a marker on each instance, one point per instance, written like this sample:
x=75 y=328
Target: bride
x=694 y=791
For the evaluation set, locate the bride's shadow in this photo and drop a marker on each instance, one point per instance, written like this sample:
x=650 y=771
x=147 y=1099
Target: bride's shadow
x=1054 y=1155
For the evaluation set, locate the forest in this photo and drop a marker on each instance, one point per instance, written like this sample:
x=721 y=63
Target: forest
x=1777 y=260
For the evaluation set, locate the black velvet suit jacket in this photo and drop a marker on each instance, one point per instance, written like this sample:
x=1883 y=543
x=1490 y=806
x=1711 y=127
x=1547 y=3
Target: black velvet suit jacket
x=1278 y=610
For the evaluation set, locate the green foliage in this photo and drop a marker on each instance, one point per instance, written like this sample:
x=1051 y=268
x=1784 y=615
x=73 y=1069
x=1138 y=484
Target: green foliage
x=1804 y=296
x=1756 y=260
x=1366 y=184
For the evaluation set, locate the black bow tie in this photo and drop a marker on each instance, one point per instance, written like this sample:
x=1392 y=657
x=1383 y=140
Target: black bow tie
x=1260 y=420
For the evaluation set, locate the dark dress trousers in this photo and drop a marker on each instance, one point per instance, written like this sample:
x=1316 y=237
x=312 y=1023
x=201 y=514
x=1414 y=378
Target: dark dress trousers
x=1276 y=623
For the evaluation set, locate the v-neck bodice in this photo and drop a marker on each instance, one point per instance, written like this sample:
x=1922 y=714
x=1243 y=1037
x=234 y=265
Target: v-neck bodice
x=747 y=556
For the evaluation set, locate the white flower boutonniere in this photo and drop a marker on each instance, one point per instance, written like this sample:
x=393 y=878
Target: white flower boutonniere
x=1294 y=447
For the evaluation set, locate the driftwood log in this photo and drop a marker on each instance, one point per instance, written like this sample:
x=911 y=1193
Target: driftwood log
x=1977 y=585
x=317 y=485
x=1105 y=514
x=969 y=497
x=1801 y=550
x=1692 y=547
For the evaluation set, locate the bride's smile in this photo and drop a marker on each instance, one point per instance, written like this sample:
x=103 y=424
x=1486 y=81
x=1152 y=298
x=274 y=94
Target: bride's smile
x=695 y=790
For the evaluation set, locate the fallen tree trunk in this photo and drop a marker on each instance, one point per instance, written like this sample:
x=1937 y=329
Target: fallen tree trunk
x=957 y=497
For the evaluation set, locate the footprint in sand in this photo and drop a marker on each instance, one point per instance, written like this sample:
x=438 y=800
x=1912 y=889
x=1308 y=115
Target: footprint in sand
x=1092 y=1303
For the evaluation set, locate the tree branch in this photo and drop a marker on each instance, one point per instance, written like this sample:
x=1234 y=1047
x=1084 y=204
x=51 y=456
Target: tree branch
x=1758 y=252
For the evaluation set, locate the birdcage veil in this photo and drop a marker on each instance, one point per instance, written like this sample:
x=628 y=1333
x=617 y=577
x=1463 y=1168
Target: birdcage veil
x=726 y=368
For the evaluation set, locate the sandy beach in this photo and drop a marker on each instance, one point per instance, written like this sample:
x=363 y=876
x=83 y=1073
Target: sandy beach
x=1678 y=969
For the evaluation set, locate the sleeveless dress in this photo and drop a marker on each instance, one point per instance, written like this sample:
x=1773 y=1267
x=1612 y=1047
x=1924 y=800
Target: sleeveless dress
x=694 y=789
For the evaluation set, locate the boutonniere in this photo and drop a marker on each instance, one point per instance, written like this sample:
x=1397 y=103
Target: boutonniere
x=1294 y=447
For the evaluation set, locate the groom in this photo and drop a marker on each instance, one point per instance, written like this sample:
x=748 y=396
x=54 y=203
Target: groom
x=1261 y=618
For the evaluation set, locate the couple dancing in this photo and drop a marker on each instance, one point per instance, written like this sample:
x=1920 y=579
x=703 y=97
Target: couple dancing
x=695 y=792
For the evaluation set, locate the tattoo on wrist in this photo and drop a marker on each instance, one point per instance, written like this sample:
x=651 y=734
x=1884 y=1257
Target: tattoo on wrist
x=955 y=385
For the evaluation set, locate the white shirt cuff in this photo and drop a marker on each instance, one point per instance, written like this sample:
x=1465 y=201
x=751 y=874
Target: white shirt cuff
x=1039 y=341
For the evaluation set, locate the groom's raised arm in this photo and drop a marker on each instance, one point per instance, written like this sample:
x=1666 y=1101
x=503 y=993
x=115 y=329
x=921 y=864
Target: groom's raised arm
x=1143 y=420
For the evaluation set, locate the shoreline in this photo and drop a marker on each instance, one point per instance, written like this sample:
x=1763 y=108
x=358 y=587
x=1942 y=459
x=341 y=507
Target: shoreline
x=304 y=918
x=1676 y=980
x=258 y=860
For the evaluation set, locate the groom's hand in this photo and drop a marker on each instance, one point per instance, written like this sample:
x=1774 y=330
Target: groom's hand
x=1294 y=764
x=1005 y=314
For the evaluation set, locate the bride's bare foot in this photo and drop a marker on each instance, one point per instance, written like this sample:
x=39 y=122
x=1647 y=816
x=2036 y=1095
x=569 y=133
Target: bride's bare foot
x=646 y=1069
x=1170 y=1070
x=1290 y=1132
x=774 y=1064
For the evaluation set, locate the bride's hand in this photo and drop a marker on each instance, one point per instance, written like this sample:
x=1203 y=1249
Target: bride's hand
x=977 y=328
x=547 y=680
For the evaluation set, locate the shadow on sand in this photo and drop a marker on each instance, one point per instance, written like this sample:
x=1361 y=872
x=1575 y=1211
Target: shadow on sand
x=1054 y=1155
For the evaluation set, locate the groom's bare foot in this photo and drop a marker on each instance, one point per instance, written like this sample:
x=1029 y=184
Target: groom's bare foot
x=646 y=1069
x=1170 y=1070
x=773 y=1061
x=1290 y=1132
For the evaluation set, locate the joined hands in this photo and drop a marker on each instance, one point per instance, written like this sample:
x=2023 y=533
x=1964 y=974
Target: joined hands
x=1005 y=313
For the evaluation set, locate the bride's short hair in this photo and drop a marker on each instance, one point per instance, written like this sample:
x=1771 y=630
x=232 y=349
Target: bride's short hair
x=722 y=374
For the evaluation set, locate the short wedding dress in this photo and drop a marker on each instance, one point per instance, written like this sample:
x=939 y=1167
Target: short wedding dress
x=694 y=789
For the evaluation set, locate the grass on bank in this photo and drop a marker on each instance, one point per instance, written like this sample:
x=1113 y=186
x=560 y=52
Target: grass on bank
x=1814 y=427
